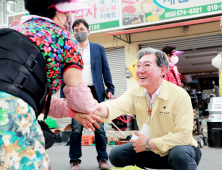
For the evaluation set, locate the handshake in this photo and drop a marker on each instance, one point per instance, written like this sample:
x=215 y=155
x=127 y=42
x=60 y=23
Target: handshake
x=83 y=107
x=87 y=115
x=80 y=105
x=89 y=120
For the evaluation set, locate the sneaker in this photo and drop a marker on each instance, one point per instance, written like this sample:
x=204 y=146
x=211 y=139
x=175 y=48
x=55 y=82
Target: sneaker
x=103 y=165
x=74 y=165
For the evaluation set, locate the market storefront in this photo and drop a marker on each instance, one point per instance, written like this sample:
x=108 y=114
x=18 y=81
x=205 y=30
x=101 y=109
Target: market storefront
x=191 y=27
x=194 y=30
x=125 y=26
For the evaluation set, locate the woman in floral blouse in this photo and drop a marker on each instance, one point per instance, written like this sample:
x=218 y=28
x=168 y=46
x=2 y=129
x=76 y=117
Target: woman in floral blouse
x=172 y=74
x=21 y=138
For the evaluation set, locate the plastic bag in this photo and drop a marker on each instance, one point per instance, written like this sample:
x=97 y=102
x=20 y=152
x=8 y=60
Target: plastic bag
x=216 y=61
x=145 y=131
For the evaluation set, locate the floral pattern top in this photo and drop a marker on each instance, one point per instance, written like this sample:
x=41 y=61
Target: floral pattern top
x=60 y=51
x=170 y=77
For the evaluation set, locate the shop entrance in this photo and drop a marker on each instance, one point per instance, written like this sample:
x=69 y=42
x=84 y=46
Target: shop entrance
x=196 y=62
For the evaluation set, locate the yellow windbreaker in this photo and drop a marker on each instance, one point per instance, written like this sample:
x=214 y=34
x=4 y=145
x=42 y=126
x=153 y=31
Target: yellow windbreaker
x=171 y=122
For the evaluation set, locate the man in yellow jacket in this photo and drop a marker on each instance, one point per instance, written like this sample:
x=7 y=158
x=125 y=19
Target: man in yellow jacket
x=164 y=115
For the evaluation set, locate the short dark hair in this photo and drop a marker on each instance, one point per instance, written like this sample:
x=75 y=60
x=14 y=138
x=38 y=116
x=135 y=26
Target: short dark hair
x=40 y=7
x=161 y=57
x=78 y=21
x=168 y=49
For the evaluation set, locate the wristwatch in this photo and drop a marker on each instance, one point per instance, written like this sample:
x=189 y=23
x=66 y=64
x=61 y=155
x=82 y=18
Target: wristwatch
x=147 y=147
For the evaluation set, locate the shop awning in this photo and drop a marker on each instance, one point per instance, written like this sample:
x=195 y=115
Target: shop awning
x=160 y=27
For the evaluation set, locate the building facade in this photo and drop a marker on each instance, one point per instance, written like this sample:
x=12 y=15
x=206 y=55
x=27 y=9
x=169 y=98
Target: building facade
x=125 y=26
x=10 y=7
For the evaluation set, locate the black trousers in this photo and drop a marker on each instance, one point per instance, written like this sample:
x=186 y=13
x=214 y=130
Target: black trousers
x=183 y=157
x=93 y=90
x=75 y=151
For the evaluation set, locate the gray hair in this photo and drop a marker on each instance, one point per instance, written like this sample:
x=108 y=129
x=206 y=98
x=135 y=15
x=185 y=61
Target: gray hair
x=161 y=57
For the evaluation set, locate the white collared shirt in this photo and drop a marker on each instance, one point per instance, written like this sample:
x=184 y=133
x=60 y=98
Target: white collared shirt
x=154 y=96
x=86 y=72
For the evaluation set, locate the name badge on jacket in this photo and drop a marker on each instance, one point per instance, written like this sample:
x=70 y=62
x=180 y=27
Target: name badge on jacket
x=164 y=112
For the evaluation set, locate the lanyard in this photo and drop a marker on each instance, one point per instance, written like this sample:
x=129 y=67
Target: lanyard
x=149 y=111
x=150 y=107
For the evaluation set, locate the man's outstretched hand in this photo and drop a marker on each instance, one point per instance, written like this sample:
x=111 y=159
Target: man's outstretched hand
x=88 y=120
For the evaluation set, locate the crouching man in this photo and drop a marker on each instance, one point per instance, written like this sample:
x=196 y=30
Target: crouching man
x=164 y=115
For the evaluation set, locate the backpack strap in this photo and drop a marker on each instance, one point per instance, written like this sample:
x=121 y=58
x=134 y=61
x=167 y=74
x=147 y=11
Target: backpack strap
x=29 y=61
x=47 y=106
x=21 y=81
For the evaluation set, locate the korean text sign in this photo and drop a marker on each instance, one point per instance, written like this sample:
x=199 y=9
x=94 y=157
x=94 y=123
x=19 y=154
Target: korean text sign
x=104 y=14
x=148 y=11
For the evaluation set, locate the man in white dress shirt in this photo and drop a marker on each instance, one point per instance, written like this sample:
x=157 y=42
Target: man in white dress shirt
x=95 y=72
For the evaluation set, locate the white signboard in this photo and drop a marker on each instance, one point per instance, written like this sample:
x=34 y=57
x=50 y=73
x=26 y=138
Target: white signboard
x=104 y=14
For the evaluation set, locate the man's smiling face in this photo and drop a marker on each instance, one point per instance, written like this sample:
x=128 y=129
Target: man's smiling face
x=147 y=72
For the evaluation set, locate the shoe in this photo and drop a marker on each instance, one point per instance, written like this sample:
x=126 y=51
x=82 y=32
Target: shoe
x=103 y=165
x=74 y=165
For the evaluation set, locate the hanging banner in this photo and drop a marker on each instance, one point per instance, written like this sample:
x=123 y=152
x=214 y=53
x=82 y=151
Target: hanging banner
x=136 y=12
x=104 y=14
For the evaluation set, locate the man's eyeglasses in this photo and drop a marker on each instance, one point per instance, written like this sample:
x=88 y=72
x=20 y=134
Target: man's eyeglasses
x=81 y=30
x=140 y=65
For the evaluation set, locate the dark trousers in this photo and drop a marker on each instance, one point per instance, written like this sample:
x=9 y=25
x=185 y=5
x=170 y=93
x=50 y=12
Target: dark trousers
x=180 y=158
x=75 y=151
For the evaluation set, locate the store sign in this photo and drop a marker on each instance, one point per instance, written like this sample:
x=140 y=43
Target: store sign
x=149 y=11
x=104 y=14
x=181 y=4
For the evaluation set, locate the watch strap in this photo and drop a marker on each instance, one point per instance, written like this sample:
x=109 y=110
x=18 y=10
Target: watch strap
x=147 y=147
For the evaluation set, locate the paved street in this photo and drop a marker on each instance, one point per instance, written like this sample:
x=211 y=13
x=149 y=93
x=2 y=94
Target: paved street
x=211 y=159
